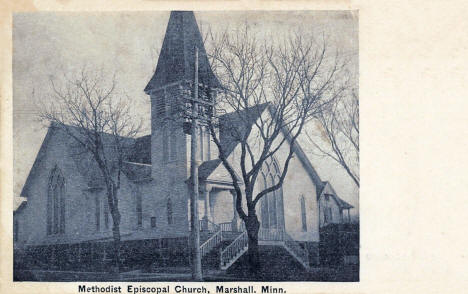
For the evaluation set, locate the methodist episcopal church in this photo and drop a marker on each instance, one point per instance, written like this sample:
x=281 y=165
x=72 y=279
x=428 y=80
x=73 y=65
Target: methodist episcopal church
x=65 y=222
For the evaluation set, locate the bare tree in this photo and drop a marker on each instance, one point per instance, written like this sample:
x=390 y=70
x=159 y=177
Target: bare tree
x=339 y=125
x=90 y=111
x=272 y=90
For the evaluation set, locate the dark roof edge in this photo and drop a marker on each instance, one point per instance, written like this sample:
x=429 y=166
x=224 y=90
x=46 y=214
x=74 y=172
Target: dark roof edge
x=341 y=203
x=302 y=157
x=42 y=150
x=20 y=207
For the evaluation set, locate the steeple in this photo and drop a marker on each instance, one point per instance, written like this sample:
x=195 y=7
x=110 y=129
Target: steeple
x=177 y=56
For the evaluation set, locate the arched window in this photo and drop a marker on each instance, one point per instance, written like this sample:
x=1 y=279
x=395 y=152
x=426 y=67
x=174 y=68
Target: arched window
x=106 y=213
x=172 y=143
x=264 y=204
x=165 y=144
x=98 y=213
x=270 y=202
x=139 y=210
x=169 y=211
x=303 y=214
x=56 y=203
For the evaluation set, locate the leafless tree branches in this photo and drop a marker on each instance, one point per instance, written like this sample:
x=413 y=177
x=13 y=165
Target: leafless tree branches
x=340 y=128
x=293 y=79
x=89 y=109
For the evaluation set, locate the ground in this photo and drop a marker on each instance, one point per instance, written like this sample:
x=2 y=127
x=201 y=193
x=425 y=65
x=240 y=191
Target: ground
x=323 y=274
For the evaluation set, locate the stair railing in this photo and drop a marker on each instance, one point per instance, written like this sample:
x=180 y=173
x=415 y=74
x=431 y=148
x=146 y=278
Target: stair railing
x=270 y=234
x=213 y=241
x=234 y=250
x=226 y=227
x=296 y=250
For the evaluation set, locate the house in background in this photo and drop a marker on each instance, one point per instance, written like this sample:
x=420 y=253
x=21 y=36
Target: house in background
x=66 y=223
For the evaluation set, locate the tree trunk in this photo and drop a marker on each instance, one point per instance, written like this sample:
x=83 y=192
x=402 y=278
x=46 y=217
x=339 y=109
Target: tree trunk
x=116 y=236
x=252 y=227
x=114 y=210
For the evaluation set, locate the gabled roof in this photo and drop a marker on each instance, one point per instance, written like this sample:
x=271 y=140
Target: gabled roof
x=234 y=124
x=340 y=202
x=231 y=125
x=20 y=207
x=136 y=171
x=139 y=151
x=177 y=58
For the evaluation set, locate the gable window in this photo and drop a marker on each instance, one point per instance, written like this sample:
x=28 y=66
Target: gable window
x=303 y=214
x=153 y=222
x=56 y=203
x=169 y=211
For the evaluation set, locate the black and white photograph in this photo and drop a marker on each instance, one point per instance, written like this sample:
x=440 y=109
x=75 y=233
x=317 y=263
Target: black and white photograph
x=183 y=145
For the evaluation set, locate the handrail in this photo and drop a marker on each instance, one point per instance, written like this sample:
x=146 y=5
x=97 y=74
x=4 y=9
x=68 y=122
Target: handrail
x=233 y=251
x=210 y=226
x=270 y=235
x=212 y=242
x=226 y=227
x=301 y=255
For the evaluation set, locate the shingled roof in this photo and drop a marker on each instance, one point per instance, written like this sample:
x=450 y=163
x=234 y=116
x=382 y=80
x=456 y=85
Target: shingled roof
x=177 y=58
x=230 y=124
x=137 y=166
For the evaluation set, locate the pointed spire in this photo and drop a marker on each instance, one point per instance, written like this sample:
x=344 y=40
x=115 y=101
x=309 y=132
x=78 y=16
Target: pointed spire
x=177 y=56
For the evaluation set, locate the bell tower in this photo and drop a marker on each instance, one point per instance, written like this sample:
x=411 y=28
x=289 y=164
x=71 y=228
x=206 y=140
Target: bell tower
x=171 y=91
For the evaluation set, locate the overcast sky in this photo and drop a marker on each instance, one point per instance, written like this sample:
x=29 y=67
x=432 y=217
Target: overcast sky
x=49 y=44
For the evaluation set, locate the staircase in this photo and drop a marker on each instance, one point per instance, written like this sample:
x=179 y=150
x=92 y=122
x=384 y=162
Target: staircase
x=233 y=251
x=222 y=247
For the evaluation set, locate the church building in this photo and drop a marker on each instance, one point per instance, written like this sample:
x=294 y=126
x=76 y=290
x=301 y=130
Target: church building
x=65 y=222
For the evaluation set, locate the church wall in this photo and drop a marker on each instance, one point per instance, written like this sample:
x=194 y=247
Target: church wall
x=76 y=205
x=221 y=202
x=297 y=183
x=169 y=174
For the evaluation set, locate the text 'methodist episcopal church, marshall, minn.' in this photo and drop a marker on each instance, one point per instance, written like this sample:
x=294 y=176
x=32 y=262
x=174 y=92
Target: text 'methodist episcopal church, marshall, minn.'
x=65 y=222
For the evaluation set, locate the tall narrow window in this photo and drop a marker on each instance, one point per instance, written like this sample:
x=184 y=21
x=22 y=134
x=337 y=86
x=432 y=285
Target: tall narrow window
x=106 y=214
x=264 y=206
x=98 y=213
x=161 y=106
x=153 y=222
x=169 y=211
x=61 y=196
x=56 y=203
x=328 y=215
x=165 y=144
x=172 y=144
x=303 y=214
x=272 y=204
x=15 y=229
x=56 y=209
x=139 y=210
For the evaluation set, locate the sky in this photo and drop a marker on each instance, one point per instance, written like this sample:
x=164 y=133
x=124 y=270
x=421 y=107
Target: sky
x=49 y=44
